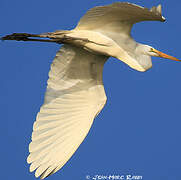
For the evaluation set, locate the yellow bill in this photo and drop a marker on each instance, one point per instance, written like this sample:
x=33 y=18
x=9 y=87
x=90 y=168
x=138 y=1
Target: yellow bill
x=163 y=55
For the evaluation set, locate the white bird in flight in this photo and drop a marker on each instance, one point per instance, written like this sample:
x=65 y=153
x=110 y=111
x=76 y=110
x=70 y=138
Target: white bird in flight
x=75 y=93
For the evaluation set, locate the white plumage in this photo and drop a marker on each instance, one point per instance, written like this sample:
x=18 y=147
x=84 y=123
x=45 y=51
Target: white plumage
x=75 y=92
x=74 y=96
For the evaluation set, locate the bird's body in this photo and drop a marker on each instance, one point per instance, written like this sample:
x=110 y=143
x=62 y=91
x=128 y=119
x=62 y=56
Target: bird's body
x=75 y=92
x=92 y=41
x=98 y=43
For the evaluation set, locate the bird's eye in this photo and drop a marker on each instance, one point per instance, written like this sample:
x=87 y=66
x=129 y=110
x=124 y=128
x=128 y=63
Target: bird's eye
x=151 y=50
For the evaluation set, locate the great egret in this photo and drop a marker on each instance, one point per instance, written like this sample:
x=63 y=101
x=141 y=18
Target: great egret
x=75 y=92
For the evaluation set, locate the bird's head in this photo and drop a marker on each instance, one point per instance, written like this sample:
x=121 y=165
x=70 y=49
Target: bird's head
x=148 y=50
x=141 y=58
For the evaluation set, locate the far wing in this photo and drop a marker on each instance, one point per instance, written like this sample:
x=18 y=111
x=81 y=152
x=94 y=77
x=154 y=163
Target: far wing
x=74 y=96
x=118 y=17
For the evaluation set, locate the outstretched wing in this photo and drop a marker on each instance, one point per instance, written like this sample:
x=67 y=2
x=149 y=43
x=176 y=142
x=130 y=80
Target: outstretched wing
x=118 y=17
x=74 y=96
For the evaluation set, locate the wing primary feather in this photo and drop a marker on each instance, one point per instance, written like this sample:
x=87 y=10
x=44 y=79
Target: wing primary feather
x=121 y=15
x=159 y=9
x=74 y=95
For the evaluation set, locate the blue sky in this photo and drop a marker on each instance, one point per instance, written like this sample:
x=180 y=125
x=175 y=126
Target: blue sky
x=138 y=131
